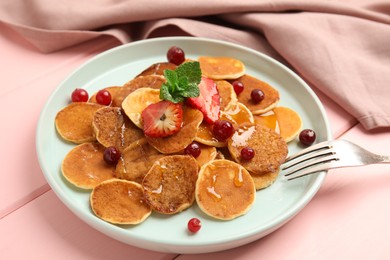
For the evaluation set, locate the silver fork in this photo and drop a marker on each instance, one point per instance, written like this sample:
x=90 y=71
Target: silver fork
x=328 y=155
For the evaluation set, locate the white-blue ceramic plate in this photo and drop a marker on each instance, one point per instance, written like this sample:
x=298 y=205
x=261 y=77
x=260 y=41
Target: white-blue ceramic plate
x=274 y=206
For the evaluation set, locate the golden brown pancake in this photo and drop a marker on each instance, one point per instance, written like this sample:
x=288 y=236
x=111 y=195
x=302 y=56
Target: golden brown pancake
x=169 y=186
x=179 y=141
x=74 y=122
x=221 y=67
x=282 y=120
x=137 y=101
x=268 y=119
x=84 y=166
x=113 y=128
x=158 y=69
x=149 y=81
x=271 y=95
x=119 y=202
x=270 y=148
x=207 y=154
x=237 y=114
x=136 y=161
x=227 y=95
x=224 y=190
x=113 y=92
x=264 y=180
x=290 y=123
x=205 y=136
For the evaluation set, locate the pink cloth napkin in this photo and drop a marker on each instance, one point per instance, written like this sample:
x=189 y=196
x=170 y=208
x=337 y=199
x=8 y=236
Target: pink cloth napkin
x=341 y=47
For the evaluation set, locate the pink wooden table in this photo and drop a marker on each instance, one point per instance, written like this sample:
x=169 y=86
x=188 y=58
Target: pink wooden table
x=347 y=219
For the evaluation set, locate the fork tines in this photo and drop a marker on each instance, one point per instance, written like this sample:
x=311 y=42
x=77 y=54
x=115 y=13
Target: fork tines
x=312 y=159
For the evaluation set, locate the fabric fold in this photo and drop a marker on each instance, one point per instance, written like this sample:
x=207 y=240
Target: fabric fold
x=340 y=47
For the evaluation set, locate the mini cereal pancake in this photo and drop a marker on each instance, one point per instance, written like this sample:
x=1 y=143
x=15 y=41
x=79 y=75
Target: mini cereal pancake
x=192 y=118
x=268 y=119
x=113 y=92
x=137 y=101
x=271 y=95
x=207 y=154
x=238 y=114
x=205 y=136
x=136 y=161
x=84 y=166
x=283 y=120
x=290 y=123
x=270 y=148
x=158 y=69
x=74 y=122
x=113 y=128
x=169 y=186
x=149 y=81
x=227 y=95
x=224 y=190
x=120 y=202
x=264 y=180
x=221 y=67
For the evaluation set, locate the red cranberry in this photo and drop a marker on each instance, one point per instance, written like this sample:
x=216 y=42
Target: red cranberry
x=194 y=225
x=103 y=97
x=79 y=95
x=238 y=86
x=257 y=95
x=247 y=153
x=175 y=55
x=222 y=130
x=193 y=149
x=307 y=137
x=111 y=155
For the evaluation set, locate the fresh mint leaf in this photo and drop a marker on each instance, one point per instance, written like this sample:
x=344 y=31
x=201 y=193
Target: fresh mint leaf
x=191 y=91
x=191 y=70
x=182 y=82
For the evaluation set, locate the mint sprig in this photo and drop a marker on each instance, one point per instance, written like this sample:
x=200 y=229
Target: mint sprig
x=182 y=82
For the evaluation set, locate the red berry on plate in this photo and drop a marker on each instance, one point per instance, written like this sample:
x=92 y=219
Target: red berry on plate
x=111 y=155
x=162 y=119
x=103 y=97
x=307 y=137
x=193 y=149
x=257 y=95
x=238 y=86
x=222 y=130
x=79 y=95
x=176 y=55
x=247 y=153
x=194 y=225
x=208 y=101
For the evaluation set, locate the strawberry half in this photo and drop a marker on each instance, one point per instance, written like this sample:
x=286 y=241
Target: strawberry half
x=162 y=119
x=208 y=101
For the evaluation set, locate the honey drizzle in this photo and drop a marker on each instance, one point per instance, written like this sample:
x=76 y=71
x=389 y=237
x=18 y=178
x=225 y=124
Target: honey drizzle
x=238 y=180
x=211 y=190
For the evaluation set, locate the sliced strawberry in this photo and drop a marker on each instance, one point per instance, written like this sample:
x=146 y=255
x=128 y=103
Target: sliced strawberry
x=162 y=119
x=208 y=101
